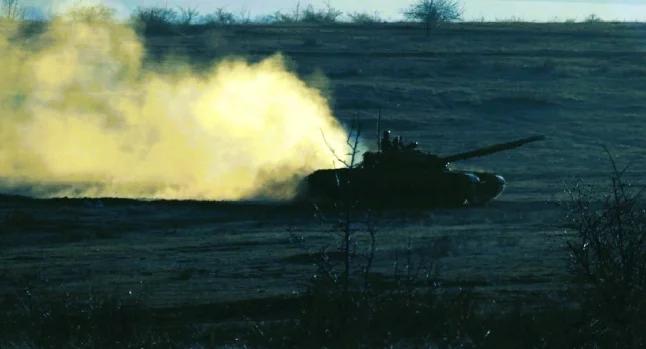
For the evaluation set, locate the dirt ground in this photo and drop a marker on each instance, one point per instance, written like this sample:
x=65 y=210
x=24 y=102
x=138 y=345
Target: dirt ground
x=468 y=85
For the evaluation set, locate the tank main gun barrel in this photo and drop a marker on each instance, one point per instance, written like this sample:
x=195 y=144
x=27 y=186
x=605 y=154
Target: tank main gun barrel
x=491 y=149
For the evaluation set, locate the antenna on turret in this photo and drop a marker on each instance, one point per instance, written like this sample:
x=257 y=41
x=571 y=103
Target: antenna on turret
x=379 y=132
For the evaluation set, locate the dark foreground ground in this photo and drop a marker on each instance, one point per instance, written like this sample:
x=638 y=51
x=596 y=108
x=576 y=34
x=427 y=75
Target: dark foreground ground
x=467 y=86
x=181 y=253
x=226 y=266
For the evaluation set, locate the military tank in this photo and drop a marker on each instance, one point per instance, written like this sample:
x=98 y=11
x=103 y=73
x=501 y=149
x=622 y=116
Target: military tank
x=400 y=175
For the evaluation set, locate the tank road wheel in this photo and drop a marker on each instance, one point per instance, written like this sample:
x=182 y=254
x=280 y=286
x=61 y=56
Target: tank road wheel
x=489 y=187
x=453 y=191
x=471 y=184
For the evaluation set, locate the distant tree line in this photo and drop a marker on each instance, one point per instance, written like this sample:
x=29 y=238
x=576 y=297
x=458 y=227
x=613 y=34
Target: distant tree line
x=431 y=13
x=159 y=19
x=156 y=16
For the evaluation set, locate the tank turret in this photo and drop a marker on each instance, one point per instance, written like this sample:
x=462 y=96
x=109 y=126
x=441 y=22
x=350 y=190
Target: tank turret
x=396 y=153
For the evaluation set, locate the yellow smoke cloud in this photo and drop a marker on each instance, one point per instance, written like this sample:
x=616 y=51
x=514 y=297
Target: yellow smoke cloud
x=80 y=116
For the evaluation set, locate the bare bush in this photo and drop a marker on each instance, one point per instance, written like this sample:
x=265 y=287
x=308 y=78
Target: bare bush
x=92 y=13
x=345 y=220
x=365 y=18
x=155 y=19
x=310 y=15
x=11 y=10
x=277 y=17
x=434 y=12
x=326 y=15
x=280 y=17
x=592 y=18
x=187 y=15
x=244 y=17
x=608 y=257
x=219 y=17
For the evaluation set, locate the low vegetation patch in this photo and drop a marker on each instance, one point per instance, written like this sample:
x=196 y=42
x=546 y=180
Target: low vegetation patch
x=608 y=260
x=37 y=318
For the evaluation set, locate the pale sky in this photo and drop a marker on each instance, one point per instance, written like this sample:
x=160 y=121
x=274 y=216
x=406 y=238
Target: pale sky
x=532 y=10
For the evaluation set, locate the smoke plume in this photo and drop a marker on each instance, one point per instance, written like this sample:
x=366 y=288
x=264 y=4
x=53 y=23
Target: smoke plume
x=80 y=116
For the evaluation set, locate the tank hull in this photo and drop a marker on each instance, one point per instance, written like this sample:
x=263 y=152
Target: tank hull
x=401 y=189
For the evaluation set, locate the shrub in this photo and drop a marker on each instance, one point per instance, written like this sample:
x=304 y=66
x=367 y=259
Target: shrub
x=278 y=17
x=592 y=18
x=327 y=15
x=155 y=20
x=608 y=258
x=404 y=310
x=365 y=18
x=433 y=12
x=187 y=16
x=311 y=15
x=219 y=17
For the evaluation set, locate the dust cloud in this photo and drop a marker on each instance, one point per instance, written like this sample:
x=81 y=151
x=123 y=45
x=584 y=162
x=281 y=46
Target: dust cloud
x=80 y=116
